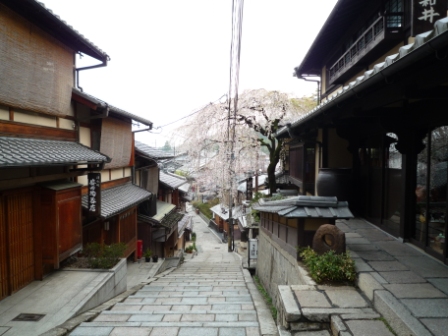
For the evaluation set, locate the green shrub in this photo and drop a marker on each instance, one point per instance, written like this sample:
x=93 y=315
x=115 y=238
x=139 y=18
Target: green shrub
x=189 y=249
x=330 y=266
x=106 y=256
x=205 y=207
x=193 y=236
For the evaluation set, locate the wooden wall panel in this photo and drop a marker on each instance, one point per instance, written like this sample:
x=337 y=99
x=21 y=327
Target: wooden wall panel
x=4 y=291
x=70 y=229
x=128 y=230
x=19 y=209
x=92 y=233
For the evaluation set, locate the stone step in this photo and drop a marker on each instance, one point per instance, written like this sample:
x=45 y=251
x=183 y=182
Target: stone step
x=173 y=312
x=187 y=295
x=188 y=301
x=213 y=324
x=197 y=290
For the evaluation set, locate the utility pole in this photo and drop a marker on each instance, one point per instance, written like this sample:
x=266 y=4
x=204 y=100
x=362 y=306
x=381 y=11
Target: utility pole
x=235 y=52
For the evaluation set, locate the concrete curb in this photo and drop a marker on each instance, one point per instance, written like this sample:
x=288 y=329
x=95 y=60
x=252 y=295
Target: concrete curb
x=267 y=324
x=399 y=318
x=68 y=326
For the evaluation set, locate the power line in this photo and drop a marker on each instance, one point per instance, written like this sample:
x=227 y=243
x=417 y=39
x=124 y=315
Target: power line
x=193 y=113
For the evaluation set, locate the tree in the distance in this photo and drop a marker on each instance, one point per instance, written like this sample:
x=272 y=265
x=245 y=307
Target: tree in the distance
x=260 y=115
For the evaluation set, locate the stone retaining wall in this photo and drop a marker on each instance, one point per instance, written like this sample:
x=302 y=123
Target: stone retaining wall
x=114 y=284
x=275 y=266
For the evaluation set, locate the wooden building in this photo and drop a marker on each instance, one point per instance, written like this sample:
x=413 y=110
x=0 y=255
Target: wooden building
x=158 y=218
x=40 y=153
x=380 y=131
x=108 y=129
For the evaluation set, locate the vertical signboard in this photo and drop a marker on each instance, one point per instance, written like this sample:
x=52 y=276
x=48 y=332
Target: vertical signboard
x=252 y=252
x=94 y=194
x=426 y=13
x=249 y=188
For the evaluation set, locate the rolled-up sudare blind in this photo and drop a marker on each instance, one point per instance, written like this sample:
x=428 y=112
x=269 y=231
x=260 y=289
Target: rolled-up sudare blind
x=36 y=70
x=116 y=142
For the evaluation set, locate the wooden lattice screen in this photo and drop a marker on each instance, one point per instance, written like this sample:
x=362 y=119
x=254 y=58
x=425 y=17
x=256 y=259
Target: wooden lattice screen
x=116 y=142
x=36 y=70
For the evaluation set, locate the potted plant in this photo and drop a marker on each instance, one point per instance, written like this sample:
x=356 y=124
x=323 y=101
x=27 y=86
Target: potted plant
x=148 y=254
x=155 y=257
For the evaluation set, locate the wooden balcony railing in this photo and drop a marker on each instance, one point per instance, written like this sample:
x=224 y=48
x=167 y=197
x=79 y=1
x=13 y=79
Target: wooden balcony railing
x=369 y=39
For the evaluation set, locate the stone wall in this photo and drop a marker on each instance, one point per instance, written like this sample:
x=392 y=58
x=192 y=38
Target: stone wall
x=275 y=266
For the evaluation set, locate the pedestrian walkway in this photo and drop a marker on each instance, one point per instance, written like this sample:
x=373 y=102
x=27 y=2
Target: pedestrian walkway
x=209 y=294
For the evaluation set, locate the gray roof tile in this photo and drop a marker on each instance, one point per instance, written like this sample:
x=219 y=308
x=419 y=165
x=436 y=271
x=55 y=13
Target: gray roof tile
x=112 y=108
x=306 y=206
x=152 y=152
x=172 y=180
x=118 y=199
x=16 y=152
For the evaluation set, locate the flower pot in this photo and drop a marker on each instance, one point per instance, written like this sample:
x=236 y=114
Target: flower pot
x=147 y=259
x=155 y=258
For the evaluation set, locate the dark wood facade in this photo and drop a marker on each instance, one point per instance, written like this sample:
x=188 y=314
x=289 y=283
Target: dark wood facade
x=389 y=127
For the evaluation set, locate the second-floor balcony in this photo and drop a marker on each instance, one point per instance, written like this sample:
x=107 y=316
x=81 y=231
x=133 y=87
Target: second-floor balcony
x=376 y=40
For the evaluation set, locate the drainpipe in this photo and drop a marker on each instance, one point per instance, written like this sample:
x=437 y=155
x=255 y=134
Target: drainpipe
x=77 y=70
x=318 y=86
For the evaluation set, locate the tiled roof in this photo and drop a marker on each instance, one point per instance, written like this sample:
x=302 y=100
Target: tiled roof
x=118 y=199
x=185 y=187
x=16 y=152
x=151 y=152
x=163 y=208
x=306 y=206
x=423 y=45
x=112 y=108
x=171 y=180
x=281 y=178
x=242 y=187
x=183 y=224
x=223 y=211
x=171 y=220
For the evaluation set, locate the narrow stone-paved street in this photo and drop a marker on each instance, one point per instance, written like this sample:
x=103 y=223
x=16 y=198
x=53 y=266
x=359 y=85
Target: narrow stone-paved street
x=209 y=294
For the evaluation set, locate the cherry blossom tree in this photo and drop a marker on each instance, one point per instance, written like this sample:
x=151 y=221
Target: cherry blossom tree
x=260 y=115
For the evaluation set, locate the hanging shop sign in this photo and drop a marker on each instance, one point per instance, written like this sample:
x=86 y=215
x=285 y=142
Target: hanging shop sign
x=94 y=194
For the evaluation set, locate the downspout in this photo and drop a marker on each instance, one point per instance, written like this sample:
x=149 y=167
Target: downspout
x=318 y=86
x=77 y=70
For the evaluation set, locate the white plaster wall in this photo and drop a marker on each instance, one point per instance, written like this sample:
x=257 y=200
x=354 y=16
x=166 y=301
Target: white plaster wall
x=82 y=179
x=34 y=119
x=116 y=174
x=127 y=172
x=66 y=124
x=4 y=112
x=105 y=176
x=85 y=137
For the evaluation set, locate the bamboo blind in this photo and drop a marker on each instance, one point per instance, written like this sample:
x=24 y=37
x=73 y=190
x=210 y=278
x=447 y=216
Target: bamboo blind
x=36 y=71
x=116 y=142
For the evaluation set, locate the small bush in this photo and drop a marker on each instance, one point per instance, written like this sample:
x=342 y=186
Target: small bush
x=193 y=236
x=330 y=266
x=189 y=249
x=104 y=257
x=205 y=207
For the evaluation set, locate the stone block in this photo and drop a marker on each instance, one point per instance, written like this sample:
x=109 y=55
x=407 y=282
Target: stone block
x=337 y=325
x=368 y=285
x=289 y=303
x=329 y=237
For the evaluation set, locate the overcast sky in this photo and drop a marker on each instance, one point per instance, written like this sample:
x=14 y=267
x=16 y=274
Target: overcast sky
x=171 y=57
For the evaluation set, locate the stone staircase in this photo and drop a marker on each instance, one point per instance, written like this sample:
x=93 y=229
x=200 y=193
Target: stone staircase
x=195 y=299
